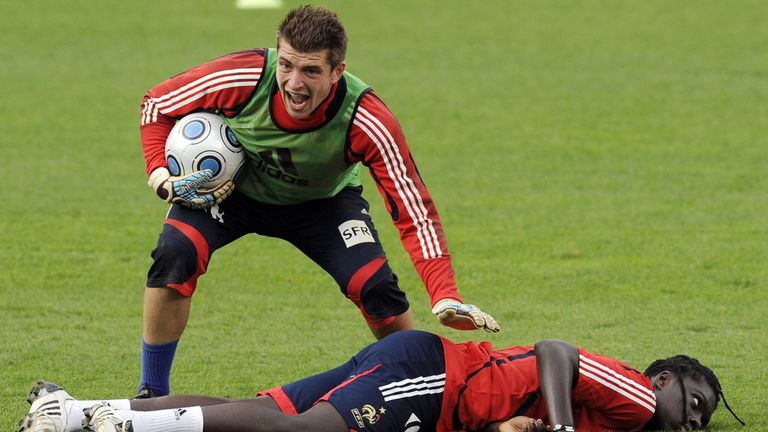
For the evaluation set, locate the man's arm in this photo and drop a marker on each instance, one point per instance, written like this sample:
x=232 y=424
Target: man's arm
x=222 y=85
x=377 y=140
x=557 y=363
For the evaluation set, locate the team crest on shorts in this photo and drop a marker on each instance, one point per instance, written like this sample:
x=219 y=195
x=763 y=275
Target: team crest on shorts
x=368 y=414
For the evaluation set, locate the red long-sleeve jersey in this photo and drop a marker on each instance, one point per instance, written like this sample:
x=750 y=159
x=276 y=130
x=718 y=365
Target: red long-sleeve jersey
x=484 y=385
x=226 y=84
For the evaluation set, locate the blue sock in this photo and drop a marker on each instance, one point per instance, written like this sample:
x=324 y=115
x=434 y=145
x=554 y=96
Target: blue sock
x=156 y=363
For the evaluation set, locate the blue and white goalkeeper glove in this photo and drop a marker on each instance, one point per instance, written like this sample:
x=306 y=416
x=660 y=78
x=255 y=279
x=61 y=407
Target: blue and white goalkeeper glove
x=460 y=316
x=186 y=190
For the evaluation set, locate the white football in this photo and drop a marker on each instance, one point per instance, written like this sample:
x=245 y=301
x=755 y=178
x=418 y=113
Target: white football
x=203 y=141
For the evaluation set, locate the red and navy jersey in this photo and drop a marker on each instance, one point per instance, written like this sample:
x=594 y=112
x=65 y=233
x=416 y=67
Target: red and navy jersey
x=226 y=84
x=484 y=385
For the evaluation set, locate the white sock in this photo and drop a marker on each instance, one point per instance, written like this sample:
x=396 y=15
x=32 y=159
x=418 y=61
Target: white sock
x=75 y=410
x=189 y=419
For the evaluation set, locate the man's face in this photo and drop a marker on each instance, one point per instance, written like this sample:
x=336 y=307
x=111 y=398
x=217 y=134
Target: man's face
x=699 y=399
x=304 y=78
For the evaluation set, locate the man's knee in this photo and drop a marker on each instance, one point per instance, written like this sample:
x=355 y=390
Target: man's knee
x=180 y=257
x=374 y=290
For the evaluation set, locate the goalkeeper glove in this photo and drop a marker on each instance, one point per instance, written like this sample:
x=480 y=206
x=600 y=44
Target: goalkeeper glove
x=455 y=314
x=185 y=190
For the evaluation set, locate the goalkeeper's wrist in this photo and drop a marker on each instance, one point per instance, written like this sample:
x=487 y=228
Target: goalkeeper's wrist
x=440 y=305
x=157 y=180
x=563 y=428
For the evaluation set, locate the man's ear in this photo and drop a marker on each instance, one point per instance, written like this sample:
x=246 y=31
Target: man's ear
x=337 y=72
x=663 y=379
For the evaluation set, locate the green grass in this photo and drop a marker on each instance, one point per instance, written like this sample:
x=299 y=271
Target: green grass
x=599 y=166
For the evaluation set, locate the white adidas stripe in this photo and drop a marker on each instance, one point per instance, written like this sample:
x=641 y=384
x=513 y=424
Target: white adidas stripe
x=618 y=383
x=413 y=387
x=419 y=203
x=384 y=142
x=415 y=393
x=632 y=383
x=205 y=92
x=620 y=391
x=419 y=386
x=195 y=90
x=145 y=112
x=164 y=102
x=408 y=381
x=147 y=117
x=208 y=77
x=365 y=126
x=407 y=190
x=152 y=116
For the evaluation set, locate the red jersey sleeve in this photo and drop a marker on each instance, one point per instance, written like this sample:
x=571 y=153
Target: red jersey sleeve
x=377 y=140
x=222 y=85
x=611 y=396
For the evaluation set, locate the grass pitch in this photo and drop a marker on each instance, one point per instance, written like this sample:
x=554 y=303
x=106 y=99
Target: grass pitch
x=600 y=168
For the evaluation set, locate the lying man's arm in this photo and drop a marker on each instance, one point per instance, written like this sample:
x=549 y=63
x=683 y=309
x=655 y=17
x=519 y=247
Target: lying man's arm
x=517 y=424
x=557 y=363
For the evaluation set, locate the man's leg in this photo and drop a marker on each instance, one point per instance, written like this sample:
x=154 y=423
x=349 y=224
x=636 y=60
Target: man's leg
x=338 y=234
x=291 y=407
x=410 y=356
x=404 y=321
x=180 y=257
x=245 y=416
x=373 y=288
x=180 y=401
x=166 y=313
x=184 y=248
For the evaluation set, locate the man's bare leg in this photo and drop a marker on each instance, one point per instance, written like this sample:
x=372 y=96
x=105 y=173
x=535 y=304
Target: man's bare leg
x=404 y=321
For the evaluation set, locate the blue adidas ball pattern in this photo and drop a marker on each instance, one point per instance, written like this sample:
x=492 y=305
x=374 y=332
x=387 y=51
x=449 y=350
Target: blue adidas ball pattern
x=202 y=141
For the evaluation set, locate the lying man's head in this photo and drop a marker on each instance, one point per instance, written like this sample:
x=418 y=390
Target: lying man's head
x=687 y=393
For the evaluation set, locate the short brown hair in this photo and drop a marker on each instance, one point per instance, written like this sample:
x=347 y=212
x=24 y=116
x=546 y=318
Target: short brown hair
x=310 y=28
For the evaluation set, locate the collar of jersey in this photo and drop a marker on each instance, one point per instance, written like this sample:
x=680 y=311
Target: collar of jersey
x=322 y=114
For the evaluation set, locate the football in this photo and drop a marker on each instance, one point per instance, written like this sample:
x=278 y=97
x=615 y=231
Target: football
x=201 y=141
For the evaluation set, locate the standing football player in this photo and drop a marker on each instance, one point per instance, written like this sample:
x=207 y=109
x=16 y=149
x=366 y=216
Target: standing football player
x=306 y=125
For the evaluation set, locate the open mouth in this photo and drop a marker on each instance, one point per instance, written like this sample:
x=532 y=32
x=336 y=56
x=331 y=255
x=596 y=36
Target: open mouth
x=297 y=102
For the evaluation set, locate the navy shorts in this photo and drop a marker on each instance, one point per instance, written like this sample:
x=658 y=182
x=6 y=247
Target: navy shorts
x=337 y=233
x=394 y=384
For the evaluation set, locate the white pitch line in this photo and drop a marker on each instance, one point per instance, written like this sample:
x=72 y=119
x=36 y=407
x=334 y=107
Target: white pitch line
x=258 y=4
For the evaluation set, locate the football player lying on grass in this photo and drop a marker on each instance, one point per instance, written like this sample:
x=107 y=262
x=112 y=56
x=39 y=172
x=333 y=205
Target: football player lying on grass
x=417 y=381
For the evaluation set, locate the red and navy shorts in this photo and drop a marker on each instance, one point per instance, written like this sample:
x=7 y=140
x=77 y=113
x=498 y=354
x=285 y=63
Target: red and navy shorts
x=394 y=384
x=336 y=233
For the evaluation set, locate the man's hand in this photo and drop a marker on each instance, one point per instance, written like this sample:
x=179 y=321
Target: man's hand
x=455 y=314
x=519 y=424
x=185 y=190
